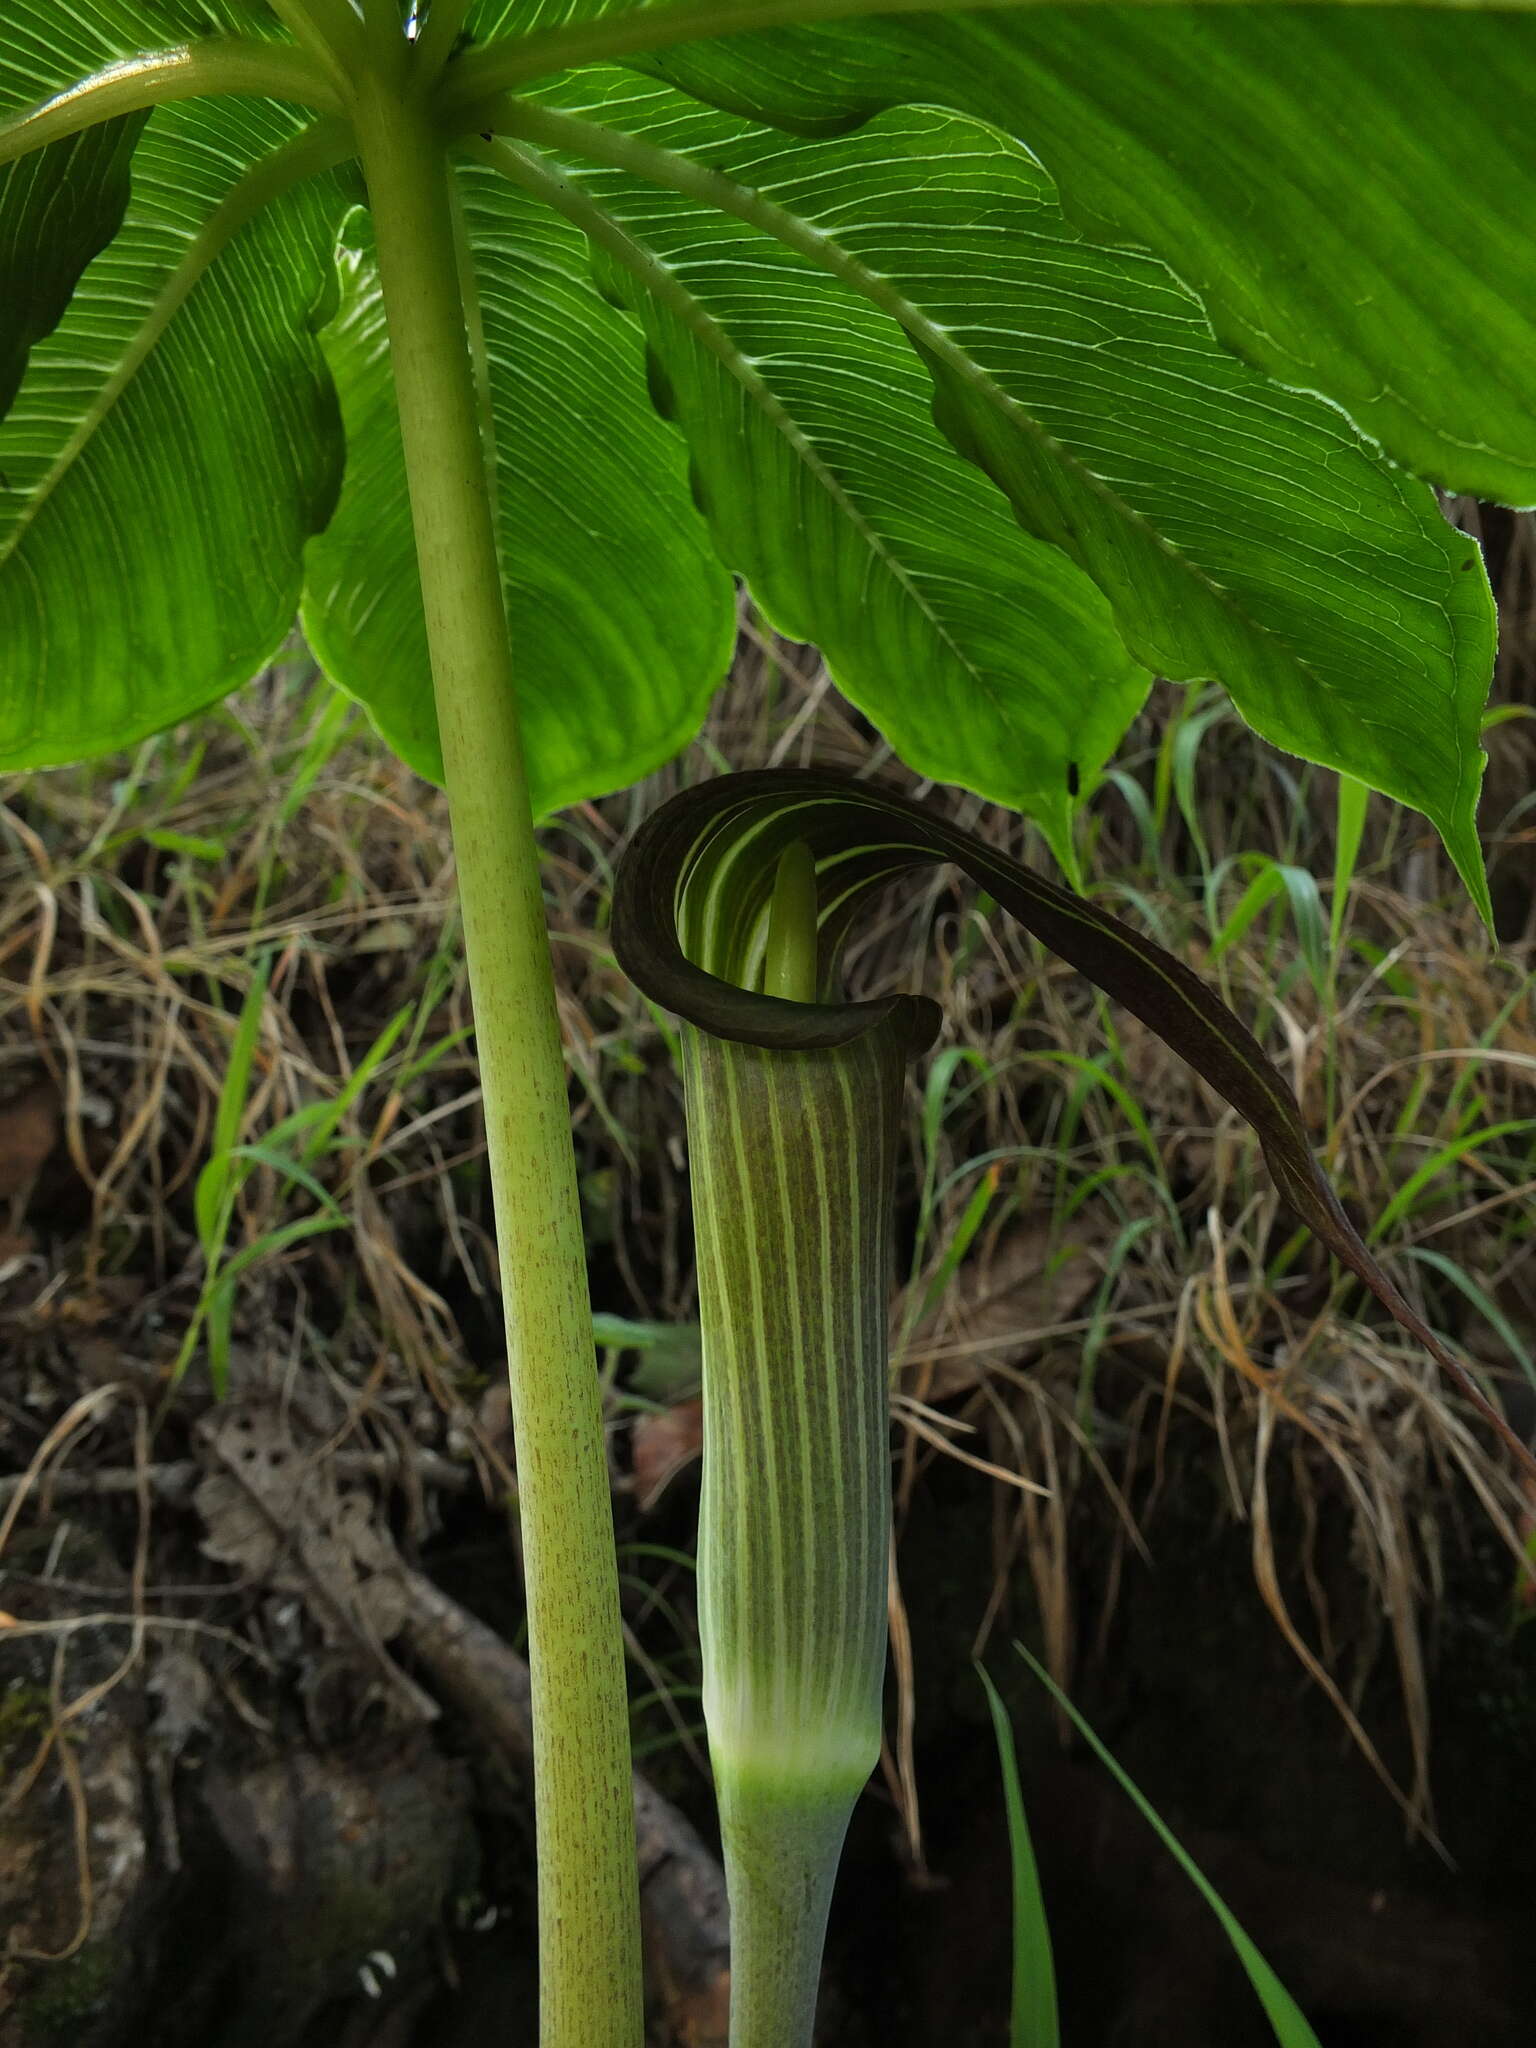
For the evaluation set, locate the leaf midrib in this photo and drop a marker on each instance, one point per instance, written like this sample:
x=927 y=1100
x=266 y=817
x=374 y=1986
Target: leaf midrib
x=714 y=335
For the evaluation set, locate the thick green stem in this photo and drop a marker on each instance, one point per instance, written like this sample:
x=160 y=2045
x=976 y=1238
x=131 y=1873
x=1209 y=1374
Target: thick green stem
x=589 y=1926
x=782 y=1850
x=444 y=25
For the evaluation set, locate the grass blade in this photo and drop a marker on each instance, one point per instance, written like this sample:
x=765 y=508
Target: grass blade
x=1485 y=1305
x=1032 y=2021
x=1285 y=2016
x=214 y=1182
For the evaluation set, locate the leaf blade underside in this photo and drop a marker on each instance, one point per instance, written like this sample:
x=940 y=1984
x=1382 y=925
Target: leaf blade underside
x=171 y=447
x=983 y=655
x=1347 y=188
x=59 y=207
x=621 y=616
x=1241 y=532
x=173 y=440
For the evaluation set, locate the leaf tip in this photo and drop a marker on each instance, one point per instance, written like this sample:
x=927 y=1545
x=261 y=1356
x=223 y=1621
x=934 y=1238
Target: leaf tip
x=1462 y=844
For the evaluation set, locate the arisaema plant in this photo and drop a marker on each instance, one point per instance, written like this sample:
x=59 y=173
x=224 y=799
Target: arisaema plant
x=1011 y=353
x=731 y=908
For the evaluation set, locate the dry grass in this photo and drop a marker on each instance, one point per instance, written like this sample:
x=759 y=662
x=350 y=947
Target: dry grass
x=1097 y=1295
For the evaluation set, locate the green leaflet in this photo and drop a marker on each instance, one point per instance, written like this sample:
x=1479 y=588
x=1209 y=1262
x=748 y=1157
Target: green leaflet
x=491 y=19
x=1348 y=188
x=151 y=534
x=985 y=657
x=58 y=208
x=1239 y=531
x=174 y=438
x=621 y=617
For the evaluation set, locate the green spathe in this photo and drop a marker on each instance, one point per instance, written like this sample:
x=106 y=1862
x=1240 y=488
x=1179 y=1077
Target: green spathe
x=731 y=907
x=793 y=1167
x=792 y=1157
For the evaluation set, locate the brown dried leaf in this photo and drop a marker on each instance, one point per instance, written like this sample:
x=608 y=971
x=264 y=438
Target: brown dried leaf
x=1032 y=1281
x=185 y=1693
x=240 y=1533
x=275 y=1512
x=29 y=1130
x=252 y=1502
x=661 y=1444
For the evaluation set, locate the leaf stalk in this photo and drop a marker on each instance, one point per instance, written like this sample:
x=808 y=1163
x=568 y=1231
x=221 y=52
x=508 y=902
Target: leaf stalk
x=436 y=41
x=224 y=64
x=589 y=1922
x=329 y=30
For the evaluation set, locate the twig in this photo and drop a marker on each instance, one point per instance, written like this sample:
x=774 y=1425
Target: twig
x=176 y=1481
x=682 y=1888
x=74 y=1417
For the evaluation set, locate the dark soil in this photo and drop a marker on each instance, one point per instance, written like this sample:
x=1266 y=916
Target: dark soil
x=300 y=1827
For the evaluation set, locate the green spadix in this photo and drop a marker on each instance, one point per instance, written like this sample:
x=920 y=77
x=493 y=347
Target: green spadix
x=731 y=908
